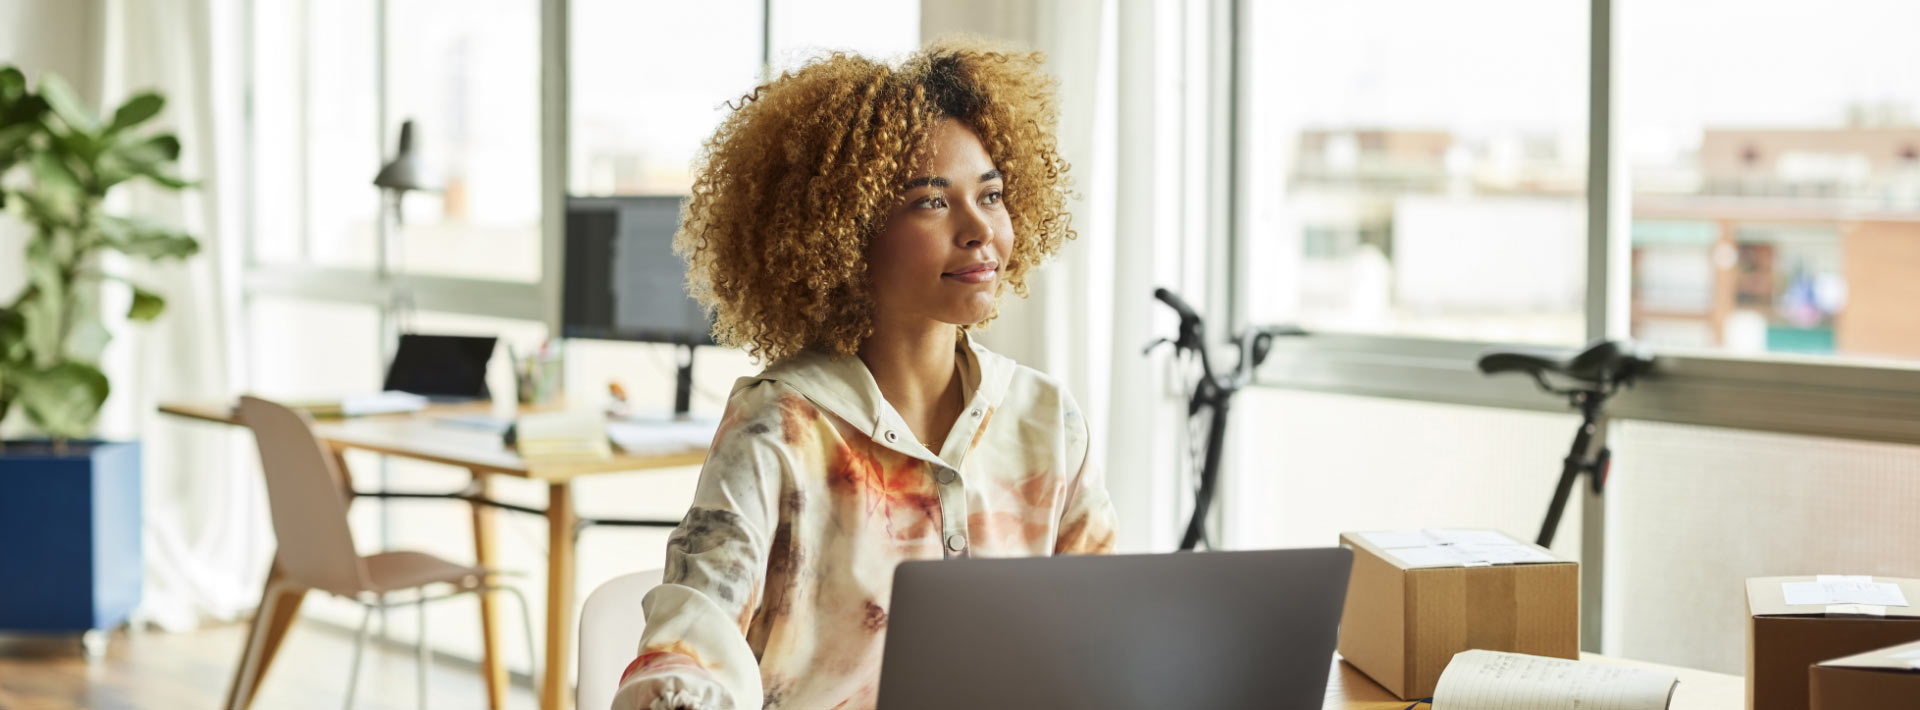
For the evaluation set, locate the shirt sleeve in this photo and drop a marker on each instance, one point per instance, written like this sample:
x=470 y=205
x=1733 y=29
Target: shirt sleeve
x=1087 y=521
x=694 y=653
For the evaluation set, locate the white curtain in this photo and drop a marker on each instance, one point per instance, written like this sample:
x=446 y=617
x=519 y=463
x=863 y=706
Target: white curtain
x=206 y=536
x=1120 y=66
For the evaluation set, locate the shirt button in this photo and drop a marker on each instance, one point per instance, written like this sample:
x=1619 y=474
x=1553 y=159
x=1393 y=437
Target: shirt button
x=975 y=412
x=892 y=437
x=956 y=542
x=946 y=476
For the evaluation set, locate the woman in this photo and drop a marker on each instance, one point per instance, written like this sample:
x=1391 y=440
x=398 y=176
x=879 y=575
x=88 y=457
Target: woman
x=851 y=222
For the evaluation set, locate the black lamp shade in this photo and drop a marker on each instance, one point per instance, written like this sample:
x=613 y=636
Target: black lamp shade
x=403 y=172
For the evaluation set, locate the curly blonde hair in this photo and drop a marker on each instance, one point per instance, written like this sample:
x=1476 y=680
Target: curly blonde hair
x=804 y=171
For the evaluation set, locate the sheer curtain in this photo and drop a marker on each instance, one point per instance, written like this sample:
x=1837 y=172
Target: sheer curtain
x=206 y=532
x=1122 y=90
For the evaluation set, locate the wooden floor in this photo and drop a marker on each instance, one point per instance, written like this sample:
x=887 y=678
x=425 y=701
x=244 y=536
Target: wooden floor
x=191 y=671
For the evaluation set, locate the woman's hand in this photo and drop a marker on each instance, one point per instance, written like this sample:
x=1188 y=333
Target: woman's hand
x=663 y=689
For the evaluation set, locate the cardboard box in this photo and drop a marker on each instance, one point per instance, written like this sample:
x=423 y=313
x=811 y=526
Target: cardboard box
x=1886 y=678
x=1408 y=614
x=1785 y=640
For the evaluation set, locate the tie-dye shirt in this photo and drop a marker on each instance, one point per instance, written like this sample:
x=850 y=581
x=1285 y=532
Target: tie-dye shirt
x=777 y=582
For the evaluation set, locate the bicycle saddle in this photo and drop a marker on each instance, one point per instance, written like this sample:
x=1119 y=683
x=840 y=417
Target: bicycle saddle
x=1604 y=361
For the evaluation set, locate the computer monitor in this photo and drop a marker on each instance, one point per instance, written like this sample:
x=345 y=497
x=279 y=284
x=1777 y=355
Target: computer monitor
x=622 y=281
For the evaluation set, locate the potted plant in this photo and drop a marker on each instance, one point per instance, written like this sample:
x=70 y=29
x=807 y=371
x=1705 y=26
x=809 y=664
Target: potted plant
x=70 y=504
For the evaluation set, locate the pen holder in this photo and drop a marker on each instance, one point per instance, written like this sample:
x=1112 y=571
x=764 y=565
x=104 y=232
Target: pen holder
x=538 y=379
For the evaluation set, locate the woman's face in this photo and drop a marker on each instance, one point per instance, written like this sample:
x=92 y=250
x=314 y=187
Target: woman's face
x=941 y=253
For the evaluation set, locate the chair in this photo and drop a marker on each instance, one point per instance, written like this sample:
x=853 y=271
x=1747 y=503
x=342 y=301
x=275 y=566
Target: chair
x=308 y=498
x=610 y=626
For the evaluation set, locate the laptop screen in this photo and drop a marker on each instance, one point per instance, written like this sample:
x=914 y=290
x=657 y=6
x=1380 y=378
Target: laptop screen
x=441 y=366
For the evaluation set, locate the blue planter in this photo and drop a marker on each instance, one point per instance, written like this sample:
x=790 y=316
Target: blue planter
x=69 y=535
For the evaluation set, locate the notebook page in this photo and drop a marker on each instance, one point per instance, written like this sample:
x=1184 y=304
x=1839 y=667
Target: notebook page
x=1490 y=680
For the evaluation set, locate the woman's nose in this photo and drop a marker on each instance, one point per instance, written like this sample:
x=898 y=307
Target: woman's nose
x=974 y=229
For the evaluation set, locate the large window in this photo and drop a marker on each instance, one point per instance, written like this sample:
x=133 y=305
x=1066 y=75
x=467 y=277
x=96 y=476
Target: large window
x=1418 y=168
x=468 y=74
x=649 y=82
x=1421 y=181
x=1776 y=176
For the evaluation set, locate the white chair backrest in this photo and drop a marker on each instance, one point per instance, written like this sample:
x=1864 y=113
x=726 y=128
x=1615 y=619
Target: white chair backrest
x=611 y=622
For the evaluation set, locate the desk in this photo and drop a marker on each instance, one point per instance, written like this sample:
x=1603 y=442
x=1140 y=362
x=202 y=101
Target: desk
x=418 y=436
x=1349 y=689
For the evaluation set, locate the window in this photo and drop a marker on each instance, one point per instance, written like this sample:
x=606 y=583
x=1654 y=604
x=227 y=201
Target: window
x=649 y=81
x=1776 y=194
x=468 y=75
x=1406 y=180
x=1760 y=217
x=314 y=129
x=880 y=29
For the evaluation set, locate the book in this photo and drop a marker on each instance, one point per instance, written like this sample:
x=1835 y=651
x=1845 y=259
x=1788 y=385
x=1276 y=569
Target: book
x=1491 y=680
x=562 y=435
x=356 y=405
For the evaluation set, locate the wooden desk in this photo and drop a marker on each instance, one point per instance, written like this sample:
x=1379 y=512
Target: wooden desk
x=419 y=436
x=1349 y=689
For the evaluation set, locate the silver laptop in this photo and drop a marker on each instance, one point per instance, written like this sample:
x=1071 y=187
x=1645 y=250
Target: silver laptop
x=1213 y=630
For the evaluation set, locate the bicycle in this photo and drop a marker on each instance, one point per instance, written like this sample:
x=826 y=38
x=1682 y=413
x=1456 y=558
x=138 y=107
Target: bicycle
x=1213 y=392
x=1597 y=372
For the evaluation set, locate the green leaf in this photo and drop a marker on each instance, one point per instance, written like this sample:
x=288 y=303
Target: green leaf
x=147 y=305
x=13 y=339
x=56 y=178
x=75 y=143
x=13 y=136
x=87 y=341
x=136 y=111
x=146 y=238
x=47 y=298
x=162 y=148
x=13 y=83
x=66 y=105
x=63 y=400
x=44 y=212
x=148 y=158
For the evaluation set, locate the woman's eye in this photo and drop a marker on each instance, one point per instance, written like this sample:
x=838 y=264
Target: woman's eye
x=932 y=202
x=993 y=198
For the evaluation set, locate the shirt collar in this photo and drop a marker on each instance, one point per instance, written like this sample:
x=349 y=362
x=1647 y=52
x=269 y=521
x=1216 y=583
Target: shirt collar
x=844 y=387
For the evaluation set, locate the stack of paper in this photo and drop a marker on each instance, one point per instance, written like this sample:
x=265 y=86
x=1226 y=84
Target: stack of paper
x=666 y=436
x=574 y=434
x=355 y=405
x=1456 y=548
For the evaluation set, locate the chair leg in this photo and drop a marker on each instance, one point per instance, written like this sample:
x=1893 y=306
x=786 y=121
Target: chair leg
x=526 y=622
x=359 y=645
x=420 y=646
x=250 y=662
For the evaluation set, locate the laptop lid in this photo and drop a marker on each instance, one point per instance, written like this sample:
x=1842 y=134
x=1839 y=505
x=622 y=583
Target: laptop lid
x=441 y=366
x=1216 y=630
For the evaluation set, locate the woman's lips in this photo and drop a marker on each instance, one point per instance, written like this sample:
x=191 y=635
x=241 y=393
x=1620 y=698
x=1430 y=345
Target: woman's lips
x=978 y=274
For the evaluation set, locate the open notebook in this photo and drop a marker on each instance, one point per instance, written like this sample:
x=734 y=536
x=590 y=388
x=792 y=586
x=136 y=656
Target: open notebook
x=1490 y=680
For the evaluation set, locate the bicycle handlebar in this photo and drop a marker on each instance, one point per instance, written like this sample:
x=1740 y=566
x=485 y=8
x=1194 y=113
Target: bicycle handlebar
x=1179 y=305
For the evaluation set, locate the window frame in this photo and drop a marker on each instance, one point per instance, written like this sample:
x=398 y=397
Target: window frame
x=1840 y=397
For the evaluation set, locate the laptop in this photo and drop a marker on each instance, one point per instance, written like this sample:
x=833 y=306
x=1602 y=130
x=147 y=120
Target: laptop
x=1214 y=630
x=442 y=368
